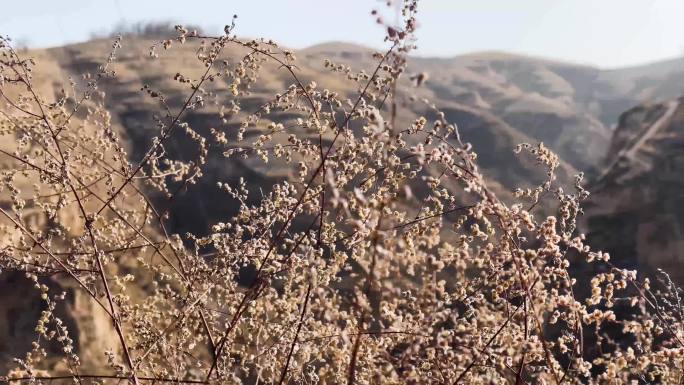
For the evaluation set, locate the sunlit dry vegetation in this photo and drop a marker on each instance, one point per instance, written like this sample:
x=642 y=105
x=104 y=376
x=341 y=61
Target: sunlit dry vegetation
x=382 y=257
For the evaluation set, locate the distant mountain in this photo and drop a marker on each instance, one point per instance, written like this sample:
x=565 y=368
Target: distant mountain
x=572 y=108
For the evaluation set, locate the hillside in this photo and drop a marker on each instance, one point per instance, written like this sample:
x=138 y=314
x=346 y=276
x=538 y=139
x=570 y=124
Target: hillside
x=498 y=100
x=635 y=212
x=482 y=118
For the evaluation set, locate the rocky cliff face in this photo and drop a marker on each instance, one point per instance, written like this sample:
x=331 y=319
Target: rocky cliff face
x=636 y=212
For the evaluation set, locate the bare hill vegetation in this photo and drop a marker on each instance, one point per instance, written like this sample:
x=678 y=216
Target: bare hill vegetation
x=210 y=210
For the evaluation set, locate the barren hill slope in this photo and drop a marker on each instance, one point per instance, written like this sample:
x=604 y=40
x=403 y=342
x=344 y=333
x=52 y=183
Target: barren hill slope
x=498 y=100
x=482 y=119
x=636 y=211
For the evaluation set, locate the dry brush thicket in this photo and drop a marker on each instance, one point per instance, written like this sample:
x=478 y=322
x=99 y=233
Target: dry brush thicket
x=385 y=258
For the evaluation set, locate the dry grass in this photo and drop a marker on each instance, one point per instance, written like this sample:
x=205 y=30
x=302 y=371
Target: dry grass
x=383 y=257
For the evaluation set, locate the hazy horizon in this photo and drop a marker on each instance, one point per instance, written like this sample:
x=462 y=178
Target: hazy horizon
x=607 y=34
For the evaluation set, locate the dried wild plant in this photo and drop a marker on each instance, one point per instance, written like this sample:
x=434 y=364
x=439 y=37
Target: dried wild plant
x=385 y=258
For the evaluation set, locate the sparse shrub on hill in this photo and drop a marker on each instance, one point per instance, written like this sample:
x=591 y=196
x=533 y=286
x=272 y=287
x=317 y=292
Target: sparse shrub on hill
x=383 y=258
x=150 y=30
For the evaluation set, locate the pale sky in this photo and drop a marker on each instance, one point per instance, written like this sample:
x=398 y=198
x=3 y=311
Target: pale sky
x=605 y=33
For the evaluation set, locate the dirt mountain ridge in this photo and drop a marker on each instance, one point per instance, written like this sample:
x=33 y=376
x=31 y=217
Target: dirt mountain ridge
x=497 y=99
